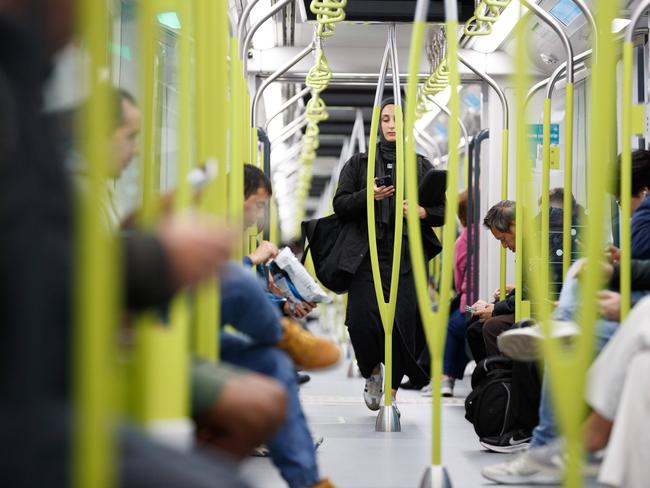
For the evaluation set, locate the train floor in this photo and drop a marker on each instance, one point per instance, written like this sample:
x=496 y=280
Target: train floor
x=353 y=455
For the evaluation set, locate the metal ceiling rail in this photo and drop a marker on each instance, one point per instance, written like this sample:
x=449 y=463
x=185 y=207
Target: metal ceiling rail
x=353 y=79
x=286 y=105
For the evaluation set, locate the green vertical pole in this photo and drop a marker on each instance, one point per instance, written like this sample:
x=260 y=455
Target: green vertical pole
x=568 y=181
x=626 y=179
x=504 y=196
x=545 y=205
x=96 y=277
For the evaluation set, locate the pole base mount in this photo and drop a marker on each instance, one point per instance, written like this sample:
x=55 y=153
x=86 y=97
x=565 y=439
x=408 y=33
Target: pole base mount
x=388 y=420
x=435 y=477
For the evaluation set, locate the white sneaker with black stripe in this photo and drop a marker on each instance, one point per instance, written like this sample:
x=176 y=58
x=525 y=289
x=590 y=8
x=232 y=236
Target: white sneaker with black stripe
x=522 y=470
x=373 y=390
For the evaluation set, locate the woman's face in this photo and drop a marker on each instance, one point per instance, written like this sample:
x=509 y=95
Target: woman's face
x=388 y=122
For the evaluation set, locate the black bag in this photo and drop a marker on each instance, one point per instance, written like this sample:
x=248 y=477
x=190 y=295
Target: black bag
x=489 y=406
x=324 y=242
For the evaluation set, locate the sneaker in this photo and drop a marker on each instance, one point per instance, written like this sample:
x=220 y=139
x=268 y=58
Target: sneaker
x=524 y=344
x=522 y=470
x=302 y=378
x=324 y=483
x=373 y=391
x=517 y=440
x=409 y=385
x=552 y=456
x=263 y=451
x=307 y=350
x=447 y=388
x=426 y=391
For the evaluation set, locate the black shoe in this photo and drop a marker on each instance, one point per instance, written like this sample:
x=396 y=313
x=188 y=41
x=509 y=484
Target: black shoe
x=516 y=440
x=302 y=378
x=408 y=385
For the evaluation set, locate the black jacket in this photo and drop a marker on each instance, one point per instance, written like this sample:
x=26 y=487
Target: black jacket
x=350 y=206
x=640 y=271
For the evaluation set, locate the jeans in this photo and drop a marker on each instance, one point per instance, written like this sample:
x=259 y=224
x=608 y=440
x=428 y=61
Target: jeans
x=292 y=447
x=245 y=307
x=567 y=309
x=455 y=358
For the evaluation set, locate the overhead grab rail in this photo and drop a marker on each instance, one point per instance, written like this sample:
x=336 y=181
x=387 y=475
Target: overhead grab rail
x=486 y=14
x=549 y=20
x=633 y=121
x=505 y=121
x=387 y=420
x=328 y=14
x=298 y=96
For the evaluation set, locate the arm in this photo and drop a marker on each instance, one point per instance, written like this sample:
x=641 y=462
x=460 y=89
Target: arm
x=435 y=216
x=640 y=270
x=506 y=306
x=349 y=201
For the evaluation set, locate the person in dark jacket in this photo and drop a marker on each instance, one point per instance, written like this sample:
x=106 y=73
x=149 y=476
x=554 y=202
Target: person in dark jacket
x=362 y=316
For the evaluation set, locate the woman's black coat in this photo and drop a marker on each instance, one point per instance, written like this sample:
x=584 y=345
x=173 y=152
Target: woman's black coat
x=350 y=206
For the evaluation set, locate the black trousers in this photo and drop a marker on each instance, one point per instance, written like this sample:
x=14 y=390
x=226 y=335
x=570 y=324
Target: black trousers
x=482 y=336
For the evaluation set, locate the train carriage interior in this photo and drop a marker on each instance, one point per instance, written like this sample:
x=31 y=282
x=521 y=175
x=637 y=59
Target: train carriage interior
x=324 y=243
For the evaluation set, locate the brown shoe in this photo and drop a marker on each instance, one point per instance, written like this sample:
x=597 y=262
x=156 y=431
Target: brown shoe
x=324 y=483
x=307 y=350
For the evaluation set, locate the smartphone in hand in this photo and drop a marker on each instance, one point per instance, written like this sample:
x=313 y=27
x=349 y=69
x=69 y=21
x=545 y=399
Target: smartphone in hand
x=384 y=181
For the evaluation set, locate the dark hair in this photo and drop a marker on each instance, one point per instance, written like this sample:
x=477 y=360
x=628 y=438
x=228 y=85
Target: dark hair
x=640 y=172
x=501 y=216
x=556 y=196
x=462 y=207
x=118 y=96
x=254 y=179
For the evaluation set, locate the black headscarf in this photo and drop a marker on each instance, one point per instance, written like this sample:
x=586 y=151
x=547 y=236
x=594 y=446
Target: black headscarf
x=387 y=149
x=385 y=166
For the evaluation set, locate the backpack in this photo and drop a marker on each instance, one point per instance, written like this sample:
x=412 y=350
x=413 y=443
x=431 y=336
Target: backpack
x=489 y=407
x=325 y=243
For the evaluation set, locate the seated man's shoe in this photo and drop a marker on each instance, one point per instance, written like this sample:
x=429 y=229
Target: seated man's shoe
x=447 y=388
x=307 y=350
x=517 y=440
x=409 y=385
x=324 y=483
x=303 y=378
x=525 y=344
x=522 y=470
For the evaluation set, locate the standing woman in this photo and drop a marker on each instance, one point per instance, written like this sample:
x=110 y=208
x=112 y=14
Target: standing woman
x=362 y=315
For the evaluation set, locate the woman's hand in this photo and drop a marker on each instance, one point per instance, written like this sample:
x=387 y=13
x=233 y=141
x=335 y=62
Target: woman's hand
x=384 y=192
x=609 y=305
x=421 y=212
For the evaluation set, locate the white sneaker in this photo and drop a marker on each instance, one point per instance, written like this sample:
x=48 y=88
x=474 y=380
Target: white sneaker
x=426 y=390
x=447 y=388
x=524 y=343
x=373 y=390
x=522 y=470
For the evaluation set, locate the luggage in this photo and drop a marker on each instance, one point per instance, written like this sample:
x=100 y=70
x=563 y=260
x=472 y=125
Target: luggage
x=324 y=242
x=489 y=407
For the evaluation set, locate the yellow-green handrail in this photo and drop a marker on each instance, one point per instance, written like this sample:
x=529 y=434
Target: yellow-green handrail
x=546 y=144
x=567 y=369
x=632 y=123
x=96 y=279
x=486 y=14
x=435 y=323
x=328 y=13
x=386 y=309
x=212 y=32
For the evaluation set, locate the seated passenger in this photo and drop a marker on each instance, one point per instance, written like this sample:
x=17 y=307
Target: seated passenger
x=225 y=402
x=491 y=319
x=455 y=358
x=245 y=307
x=524 y=343
x=307 y=350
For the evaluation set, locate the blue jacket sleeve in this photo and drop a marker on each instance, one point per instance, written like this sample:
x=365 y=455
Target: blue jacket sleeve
x=246 y=306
